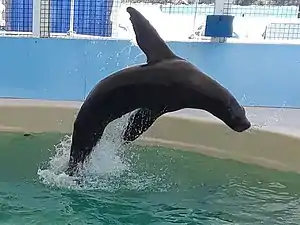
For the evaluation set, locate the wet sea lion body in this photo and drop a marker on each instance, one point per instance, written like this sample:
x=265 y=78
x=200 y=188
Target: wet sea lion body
x=167 y=83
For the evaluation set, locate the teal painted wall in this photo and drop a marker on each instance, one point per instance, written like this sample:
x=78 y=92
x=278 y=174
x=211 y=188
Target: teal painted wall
x=64 y=69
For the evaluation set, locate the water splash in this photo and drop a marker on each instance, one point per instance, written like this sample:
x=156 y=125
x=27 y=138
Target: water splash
x=108 y=168
x=274 y=118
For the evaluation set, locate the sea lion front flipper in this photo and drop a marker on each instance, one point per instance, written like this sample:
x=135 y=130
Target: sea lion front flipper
x=148 y=39
x=139 y=122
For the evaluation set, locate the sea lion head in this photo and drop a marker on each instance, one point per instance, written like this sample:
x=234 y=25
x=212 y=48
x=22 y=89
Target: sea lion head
x=211 y=96
x=234 y=115
x=229 y=111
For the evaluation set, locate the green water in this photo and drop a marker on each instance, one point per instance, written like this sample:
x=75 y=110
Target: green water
x=159 y=186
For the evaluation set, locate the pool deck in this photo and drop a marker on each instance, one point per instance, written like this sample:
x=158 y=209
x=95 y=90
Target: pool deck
x=273 y=141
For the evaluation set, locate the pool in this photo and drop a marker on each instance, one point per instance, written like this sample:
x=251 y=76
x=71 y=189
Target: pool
x=138 y=185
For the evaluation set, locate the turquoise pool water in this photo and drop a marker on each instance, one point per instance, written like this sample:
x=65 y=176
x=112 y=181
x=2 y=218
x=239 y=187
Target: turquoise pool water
x=138 y=186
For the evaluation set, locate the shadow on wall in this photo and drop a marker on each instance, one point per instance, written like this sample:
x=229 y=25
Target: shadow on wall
x=61 y=69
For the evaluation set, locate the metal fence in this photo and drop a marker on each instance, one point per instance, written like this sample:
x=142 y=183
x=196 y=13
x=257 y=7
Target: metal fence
x=16 y=17
x=264 y=8
x=87 y=17
x=279 y=19
x=282 y=31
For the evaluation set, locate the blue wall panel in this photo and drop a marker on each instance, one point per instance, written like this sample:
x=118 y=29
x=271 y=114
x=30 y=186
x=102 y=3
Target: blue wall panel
x=60 y=16
x=92 y=17
x=257 y=74
x=43 y=69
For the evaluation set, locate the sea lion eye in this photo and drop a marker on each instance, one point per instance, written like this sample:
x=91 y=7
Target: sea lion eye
x=231 y=112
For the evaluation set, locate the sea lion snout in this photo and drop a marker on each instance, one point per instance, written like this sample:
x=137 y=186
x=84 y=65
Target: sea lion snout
x=241 y=125
x=239 y=121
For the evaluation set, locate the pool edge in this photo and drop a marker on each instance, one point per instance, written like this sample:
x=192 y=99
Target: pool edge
x=261 y=147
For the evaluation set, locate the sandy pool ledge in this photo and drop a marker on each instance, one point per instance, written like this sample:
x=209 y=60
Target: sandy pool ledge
x=188 y=129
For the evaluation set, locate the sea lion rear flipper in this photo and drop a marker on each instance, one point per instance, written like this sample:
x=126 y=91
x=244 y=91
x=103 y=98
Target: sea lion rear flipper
x=84 y=140
x=139 y=122
x=148 y=39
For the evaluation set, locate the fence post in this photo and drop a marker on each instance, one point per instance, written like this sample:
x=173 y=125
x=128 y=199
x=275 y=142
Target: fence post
x=114 y=17
x=72 y=11
x=41 y=18
x=36 y=18
x=222 y=7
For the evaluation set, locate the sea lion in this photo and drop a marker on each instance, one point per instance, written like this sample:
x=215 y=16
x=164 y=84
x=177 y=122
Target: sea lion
x=165 y=84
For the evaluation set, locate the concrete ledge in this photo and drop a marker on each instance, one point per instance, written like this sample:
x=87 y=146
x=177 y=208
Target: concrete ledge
x=36 y=116
x=274 y=146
